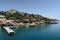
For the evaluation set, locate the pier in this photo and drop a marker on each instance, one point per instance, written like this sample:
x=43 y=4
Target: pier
x=9 y=30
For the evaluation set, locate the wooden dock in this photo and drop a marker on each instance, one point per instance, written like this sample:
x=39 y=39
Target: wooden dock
x=9 y=30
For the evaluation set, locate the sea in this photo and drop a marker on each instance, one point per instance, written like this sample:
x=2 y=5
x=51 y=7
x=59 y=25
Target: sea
x=39 y=32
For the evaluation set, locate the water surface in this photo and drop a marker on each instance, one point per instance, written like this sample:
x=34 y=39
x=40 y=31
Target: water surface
x=40 y=32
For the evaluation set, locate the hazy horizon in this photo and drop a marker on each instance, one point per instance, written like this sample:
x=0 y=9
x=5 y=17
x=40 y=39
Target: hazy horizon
x=47 y=8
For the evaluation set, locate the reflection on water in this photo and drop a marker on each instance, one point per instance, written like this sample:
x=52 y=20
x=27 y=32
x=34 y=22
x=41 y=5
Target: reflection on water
x=39 y=32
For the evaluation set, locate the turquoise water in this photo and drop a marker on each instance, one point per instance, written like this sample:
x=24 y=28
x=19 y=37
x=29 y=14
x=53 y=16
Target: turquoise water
x=40 y=32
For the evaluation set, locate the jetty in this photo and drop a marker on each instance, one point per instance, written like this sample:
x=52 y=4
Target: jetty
x=9 y=30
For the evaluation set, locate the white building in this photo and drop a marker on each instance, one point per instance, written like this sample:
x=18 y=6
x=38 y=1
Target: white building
x=2 y=18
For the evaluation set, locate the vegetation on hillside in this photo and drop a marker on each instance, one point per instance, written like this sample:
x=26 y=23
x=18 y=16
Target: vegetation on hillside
x=24 y=17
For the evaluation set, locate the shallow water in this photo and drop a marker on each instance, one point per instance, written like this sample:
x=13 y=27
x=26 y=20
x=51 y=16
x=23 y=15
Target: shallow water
x=40 y=32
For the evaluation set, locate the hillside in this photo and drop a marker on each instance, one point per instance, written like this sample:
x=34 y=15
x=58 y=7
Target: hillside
x=25 y=17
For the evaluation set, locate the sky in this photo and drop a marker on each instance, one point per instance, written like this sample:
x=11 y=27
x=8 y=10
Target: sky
x=46 y=8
